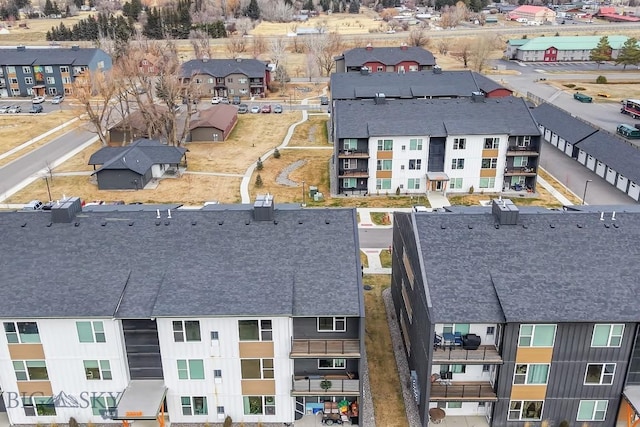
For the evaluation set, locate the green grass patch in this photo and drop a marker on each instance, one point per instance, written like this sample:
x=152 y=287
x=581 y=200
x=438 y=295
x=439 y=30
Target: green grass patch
x=364 y=260
x=385 y=258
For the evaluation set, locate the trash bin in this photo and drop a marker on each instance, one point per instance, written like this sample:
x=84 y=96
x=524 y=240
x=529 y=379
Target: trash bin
x=312 y=191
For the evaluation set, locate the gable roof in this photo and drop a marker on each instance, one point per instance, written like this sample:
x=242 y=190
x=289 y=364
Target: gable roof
x=137 y=121
x=388 y=55
x=223 y=67
x=139 y=156
x=48 y=56
x=531 y=9
x=614 y=152
x=571 y=42
x=198 y=263
x=488 y=283
x=217 y=116
x=410 y=85
x=562 y=123
x=433 y=117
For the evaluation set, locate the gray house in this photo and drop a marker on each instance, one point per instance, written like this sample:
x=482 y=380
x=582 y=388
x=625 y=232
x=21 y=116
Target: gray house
x=227 y=77
x=399 y=59
x=133 y=166
x=506 y=327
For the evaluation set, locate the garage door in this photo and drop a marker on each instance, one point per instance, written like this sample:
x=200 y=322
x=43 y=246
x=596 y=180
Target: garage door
x=601 y=169
x=591 y=163
x=622 y=184
x=582 y=157
x=568 y=150
x=634 y=191
x=611 y=176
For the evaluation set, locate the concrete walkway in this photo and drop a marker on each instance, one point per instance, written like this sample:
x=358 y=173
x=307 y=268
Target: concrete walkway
x=555 y=193
x=437 y=200
x=373 y=260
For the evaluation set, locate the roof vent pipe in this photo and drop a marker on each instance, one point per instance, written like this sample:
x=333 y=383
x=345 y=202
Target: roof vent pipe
x=169 y=213
x=157 y=213
x=613 y=216
x=601 y=216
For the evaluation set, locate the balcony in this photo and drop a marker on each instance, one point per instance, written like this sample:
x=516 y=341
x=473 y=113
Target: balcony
x=353 y=173
x=306 y=386
x=325 y=348
x=256 y=83
x=520 y=171
x=485 y=355
x=527 y=150
x=353 y=154
x=467 y=391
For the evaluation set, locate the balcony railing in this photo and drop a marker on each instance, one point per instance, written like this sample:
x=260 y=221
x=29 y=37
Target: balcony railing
x=325 y=386
x=343 y=154
x=524 y=171
x=321 y=348
x=527 y=150
x=485 y=354
x=354 y=173
x=256 y=82
x=463 y=391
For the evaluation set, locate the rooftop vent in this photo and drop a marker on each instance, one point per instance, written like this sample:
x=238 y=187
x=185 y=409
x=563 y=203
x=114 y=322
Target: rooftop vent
x=65 y=210
x=263 y=208
x=380 y=98
x=369 y=47
x=21 y=48
x=504 y=211
x=477 y=96
x=364 y=71
x=75 y=47
x=437 y=70
x=403 y=46
x=238 y=59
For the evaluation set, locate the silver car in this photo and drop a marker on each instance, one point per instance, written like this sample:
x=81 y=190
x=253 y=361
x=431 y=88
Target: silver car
x=4 y=109
x=14 y=109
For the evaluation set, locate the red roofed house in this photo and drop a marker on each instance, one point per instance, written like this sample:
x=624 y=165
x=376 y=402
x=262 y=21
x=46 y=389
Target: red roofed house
x=610 y=14
x=539 y=14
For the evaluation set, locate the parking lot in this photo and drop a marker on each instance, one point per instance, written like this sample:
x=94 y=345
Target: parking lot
x=25 y=105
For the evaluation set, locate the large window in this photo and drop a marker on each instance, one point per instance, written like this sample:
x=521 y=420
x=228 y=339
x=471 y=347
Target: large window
x=21 y=332
x=383 y=184
x=97 y=369
x=607 y=335
x=455 y=183
x=487 y=182
x=415 y=144
x=187 y=330
x=491 y=143
x=103 y=405
x=90 y=331
x=452 y=328
x=415 y=164
x=413 y=184
x=38 y=405
x=592 y=410
x=457 y=163
x=255 y=330
x=529 y=410
x=384 y=165
x=454 y=369
x=385 y=144
x=259 y=405
x=64 y=69
x=489 y=163
x=331 y=363
x=520 y=161
x=191 y=369
x=537 y=335
x=30 y=370
x=459 y=143
x=350 y=144
x=332 y=324
x=531 y=374
x=349 y=183
x=256 y=369
x=599 y=373
x=195 y=405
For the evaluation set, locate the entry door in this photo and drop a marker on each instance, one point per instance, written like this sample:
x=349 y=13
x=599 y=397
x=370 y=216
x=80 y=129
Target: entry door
x=300 y=407
x=487 y=414
x=438 y=185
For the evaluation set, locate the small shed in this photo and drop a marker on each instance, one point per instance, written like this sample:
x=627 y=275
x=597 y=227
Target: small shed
x=213 y=124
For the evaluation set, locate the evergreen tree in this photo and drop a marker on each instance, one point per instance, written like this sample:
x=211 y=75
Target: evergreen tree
x=132 y=9
x=184 y=19
x=354 y=6
x=78 y=3
x=48 y=8
x=258 y=181
x=253 y=10
x=629 y=53
x=336 y=6
x=602 y=52
x=152 y=28
x=308 y=5
x=56 y=9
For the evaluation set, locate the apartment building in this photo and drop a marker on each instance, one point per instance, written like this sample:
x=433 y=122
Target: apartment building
x=400 y=59
x=26 y=71
x=185 y=316
x=413 y=146
x=513 y=324
x=228 y=77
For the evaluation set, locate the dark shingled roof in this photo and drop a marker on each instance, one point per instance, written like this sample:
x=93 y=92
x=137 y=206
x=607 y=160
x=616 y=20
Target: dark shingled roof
x=410 y=85
x=198 y=263
x=434 y=117
x=562 y=123
x=223 y=67
x=139 y=156
x=614 y=152
x=47 y=56
x=388 y=55
x=513 y=273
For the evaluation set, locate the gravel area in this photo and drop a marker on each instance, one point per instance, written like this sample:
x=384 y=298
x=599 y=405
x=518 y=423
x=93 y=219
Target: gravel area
x=283 y=178
x=312 y=133
x=367 y=414
x=413 y=416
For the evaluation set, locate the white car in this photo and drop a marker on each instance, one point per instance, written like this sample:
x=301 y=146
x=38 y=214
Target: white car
x=4 y=109
x=255 y=109
x=14 y=109
x=216 y=100
x=57 y=99
x=37 y=100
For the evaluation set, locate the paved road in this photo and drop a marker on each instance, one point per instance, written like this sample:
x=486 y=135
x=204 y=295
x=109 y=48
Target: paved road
x=375 y=237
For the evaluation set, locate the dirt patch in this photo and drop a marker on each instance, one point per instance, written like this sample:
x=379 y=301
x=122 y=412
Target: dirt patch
x=283 y=178
x=312 y=133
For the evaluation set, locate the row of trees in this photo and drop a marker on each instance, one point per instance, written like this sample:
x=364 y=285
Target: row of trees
x=629 y=53
x=93 y=28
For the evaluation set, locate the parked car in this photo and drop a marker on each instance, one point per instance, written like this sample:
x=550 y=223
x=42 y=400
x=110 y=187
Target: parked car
x=266 y=108
x=4 y=109
x=236 y=100
x=37 y=100
x=33 y=205
x=224 y=100
x=582 y=97
x=243 y=109
x=57 y=99
x=255 y=109
x=216 y=100
x=277 y=108
x=324 y=100
x=36 y=108
x=14 y=109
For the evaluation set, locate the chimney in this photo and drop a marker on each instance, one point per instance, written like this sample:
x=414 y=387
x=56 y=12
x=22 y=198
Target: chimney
x=369 y=47
x=263 y=208
x=364 y=71
x=504 y=211
x=477 y=96
x=65 y=211
x=380 y=98
x=437 y=70
x=75 y=47
x=403 y=46
x=21 y=48
x=238 y=59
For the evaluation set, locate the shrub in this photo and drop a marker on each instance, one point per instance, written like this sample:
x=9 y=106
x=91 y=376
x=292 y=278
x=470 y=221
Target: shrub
x=227 y=421
x=73 y=422
x=259 y=181
x=569 y=85
x=471 y=190
x=579 y=88
x=601 y=80
x=259 y=165
x=564 y=423
x=276 y=154
x=398 y=191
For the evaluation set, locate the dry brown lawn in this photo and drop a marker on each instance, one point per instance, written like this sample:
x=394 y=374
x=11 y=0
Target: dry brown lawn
x=37 y=29
x=543 y=198
x=617 y=90
x=559 y=187
x=78 y=163
x=343 y=23
x=18 y=129
x=313 y=132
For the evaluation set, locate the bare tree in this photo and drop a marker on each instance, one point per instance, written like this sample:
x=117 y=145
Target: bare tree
x=278 y=48
x=244 y=25
x=311 y=66
x=418 y=37
x=481 y=51
x=463 y=51
x=258 y=46
x=201 y=44
x=324 y=47
x=94 y=91
x=276 y=11
x=321 y=26
x=443 y=45
x=393 y=24
x=235 y=46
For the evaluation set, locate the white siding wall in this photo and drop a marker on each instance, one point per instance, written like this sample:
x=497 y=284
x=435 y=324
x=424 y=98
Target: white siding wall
x=400 y=158
x=473 y=162
x=228 y=393
x=468 y=409
x=64 y=359
x=479 y=329
x=472 y=373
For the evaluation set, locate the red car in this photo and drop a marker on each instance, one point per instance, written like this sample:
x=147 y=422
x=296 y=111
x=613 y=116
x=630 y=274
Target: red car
x=266 y=108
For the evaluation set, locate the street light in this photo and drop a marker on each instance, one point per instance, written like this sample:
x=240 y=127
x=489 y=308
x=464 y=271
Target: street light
x=46 y=179
x=586 y=184
x=303 y=196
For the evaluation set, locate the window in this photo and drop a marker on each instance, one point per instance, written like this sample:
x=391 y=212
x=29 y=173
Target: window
x=385 y=145
x=457 y=163
x=491 y=143
x=349 y=183
x=51 y=80
x=229 y=79
x=192 y=369
x=599 y=373
x=489 y=163
x=217 y=376
x=90 y=331
x=64 y=69
x=350 y=144
x=451 y=328
x=413 y=184
x=256 y=369
x=456 y=369
x=14 y=81
x=332 y=324
x=531 y=374
x=520 y=161
x=197 y=81
x=459 y=143
x=592 y=410
x=28 y=80
x=453 y=405
x=259 y=405
x=30 y=370
x=38 y=405
x=524 y=141
x=220 y=410
x=487 y=182
x=525 y=410
x=491 y=330
x=415 y=144
x=254 y=330
x=210 y=80
x=537 y=335
x=66 y=80
x=101 y=405
x=486 y=368
x=384 y=165
x=214 y=336
x=415 y=164
x=349 y=163
x=331 y=363
x=379 y=68
x=97 y=369
x=196 y=405
x=26 y=70
x=21 y=332
x=607 y=335
x=11 y=70
x=383 y=184
x=455 y=183
x=187 y=330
